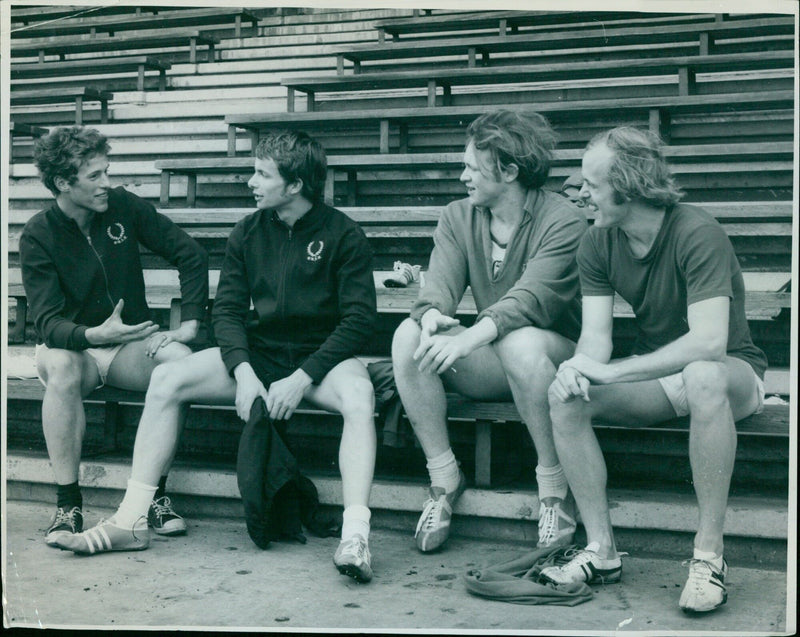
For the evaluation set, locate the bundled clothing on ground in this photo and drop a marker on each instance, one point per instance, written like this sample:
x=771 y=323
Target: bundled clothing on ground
x=74 y=282
x=311 y=286
x=537 y=283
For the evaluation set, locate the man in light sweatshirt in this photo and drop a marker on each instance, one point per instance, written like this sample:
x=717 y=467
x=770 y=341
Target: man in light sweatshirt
x=514 y=245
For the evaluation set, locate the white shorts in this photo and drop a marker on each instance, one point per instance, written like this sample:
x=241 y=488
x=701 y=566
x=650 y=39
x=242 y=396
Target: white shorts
x=676 y=393
x=102 y=357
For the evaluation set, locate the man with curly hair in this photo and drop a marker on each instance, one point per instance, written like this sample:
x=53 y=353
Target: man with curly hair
x=84 y=282
x=513 y=243
x=674 y=264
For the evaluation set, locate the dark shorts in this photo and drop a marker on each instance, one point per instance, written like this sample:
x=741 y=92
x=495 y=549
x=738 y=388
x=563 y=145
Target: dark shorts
x=270 y=366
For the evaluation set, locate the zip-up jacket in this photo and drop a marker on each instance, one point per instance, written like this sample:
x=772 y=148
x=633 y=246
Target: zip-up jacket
x=311 y=287
x=73 y=282
x=537 y=283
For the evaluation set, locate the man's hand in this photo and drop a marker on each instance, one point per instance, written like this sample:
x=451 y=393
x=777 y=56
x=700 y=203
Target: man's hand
x=597 y=373
x=248 y=388
x=185 y=333
x=569 y=384
x=284 y=395
x=432 y=323
x=113 y=330
x=442 y=351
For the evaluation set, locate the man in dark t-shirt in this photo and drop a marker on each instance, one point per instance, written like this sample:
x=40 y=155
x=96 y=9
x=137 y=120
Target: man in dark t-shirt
x=693 y=355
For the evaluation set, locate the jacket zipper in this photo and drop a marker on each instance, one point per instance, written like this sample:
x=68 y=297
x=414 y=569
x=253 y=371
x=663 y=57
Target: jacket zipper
x=283 y=273
x=103 y=269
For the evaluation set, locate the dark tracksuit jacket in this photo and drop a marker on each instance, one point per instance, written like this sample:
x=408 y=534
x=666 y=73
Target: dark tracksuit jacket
x=311 y=286
x=73 y=282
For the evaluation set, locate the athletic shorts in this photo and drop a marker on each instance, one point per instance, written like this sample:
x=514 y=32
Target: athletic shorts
x=675 y=390
x=102 y=357
x=272 y=366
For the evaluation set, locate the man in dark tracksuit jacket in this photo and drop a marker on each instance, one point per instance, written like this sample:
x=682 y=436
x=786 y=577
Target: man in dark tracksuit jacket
x=84 y=282
x=307 y=268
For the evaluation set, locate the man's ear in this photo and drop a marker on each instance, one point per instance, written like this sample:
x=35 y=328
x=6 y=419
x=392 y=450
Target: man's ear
x=296 y=187
x=61 y=184
x=509 y=173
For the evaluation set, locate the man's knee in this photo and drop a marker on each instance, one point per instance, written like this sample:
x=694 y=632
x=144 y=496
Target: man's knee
x=357 y=399
x=405 y=342
x=567 y=416
x=523 y=354
x=168 y=381
x=706 y=384
x=62 y=370
x=173 y=352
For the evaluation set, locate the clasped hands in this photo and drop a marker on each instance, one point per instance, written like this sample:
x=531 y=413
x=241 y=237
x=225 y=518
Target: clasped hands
x=437 y=352
x=576 y=374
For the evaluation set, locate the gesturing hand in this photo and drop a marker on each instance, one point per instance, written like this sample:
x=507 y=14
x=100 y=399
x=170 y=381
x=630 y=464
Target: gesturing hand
x=113 y=330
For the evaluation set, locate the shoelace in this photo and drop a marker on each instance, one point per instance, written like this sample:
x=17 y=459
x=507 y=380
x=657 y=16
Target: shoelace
x=356 y=548
x=163 y=506
x=65 y=517
x=700 y=572
x=548 y=525
x=431 y=514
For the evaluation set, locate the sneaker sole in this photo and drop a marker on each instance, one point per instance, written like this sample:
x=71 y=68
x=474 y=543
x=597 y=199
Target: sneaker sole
x=164 y=530
x=351 y=570
x=693 y=611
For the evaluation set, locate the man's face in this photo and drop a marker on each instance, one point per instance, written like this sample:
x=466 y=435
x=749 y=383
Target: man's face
x=269 y=188
x=89 y=191
x=597 y=192
x=482 y=188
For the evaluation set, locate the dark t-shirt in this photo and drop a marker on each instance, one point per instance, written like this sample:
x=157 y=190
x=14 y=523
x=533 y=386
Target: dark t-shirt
x=691 y=260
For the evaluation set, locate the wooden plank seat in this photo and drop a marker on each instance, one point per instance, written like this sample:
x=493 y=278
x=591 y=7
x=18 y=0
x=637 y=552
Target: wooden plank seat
x=772 y=422
x=138 y=63
x=78 y=94
x=504 y=22
x=31 y=15
x=63 y=46
x=174 y=18
x=19 y=129
x=659 y=111
x=683 y=68
x=705 y=35
x=686 y=160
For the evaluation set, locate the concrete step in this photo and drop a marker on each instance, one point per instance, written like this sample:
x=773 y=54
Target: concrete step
x=748 y=517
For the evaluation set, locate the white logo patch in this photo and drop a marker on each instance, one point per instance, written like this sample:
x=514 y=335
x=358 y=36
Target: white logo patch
x=314 y=255
x=120 y=235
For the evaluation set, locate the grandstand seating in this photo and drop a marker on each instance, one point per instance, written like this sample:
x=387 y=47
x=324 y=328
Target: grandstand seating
x=394 y=139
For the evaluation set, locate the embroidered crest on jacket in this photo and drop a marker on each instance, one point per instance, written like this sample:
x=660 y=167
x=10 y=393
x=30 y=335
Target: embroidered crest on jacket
x=314 y=254
x=119 y=236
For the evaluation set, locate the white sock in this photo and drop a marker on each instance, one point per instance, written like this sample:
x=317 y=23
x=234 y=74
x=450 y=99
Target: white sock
x=135 y=504
x=708 y=556
x=443 y=470
x=355 y=520
x=552 y=482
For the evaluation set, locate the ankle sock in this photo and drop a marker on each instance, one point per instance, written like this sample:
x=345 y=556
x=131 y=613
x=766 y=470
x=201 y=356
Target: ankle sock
x=443 y=470
x=135 y=504
x=355 y=520
x=161 y=491
x=552 y=482
x=708 y=556
x=69 y=496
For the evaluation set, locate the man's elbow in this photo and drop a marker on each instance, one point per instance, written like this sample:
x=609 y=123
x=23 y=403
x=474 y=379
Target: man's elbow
x=714 y=348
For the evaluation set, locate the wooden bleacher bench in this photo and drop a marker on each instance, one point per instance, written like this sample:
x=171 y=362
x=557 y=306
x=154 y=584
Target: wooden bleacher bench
x=31 y=15
x=658 y=110
x=682 y=68
x=504 y=22
x=704 y=36
x=701 y=159
x=138 y=63
x=79 y=94
x=174 y=18
x=63 y=46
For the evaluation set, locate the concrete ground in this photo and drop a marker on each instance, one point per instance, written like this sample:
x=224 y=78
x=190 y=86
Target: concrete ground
x=216 y=577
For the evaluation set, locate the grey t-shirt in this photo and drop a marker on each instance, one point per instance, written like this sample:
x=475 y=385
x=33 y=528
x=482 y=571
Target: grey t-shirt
x=691 y=260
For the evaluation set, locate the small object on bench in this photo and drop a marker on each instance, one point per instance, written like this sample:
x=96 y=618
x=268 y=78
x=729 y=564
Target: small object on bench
x=403 y=275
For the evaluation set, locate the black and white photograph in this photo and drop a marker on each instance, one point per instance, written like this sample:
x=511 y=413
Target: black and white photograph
x=386 y=317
